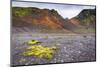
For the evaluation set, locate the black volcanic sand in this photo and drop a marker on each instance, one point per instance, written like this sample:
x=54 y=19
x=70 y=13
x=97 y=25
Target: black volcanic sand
x=72 y=48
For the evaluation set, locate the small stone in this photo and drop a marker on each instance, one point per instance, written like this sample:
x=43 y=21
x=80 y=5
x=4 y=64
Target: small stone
x=16 y=52
x=26 y=64
x=32 y=59
x=67 y=55
x=58 y=44
x=80 y=44
x=79 y=51
x=55 y=59
x=64 y=48
x=62 y=60
x=59 y=55
x=22 y=60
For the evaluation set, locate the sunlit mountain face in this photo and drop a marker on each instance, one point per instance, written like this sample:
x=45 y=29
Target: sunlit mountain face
x=66 y=11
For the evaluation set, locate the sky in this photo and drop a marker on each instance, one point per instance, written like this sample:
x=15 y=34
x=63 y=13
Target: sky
x=65 y=10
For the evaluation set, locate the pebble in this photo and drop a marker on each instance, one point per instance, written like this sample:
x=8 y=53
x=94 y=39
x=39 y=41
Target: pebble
x=62 y=60
x=58 y=44
x=80 y=44
x=32 y=59
x=67 y=55
x=79 y=52
x=22 y=60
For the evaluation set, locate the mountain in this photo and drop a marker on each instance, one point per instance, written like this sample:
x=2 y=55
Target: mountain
x=87 y=18
x=75 y=21
x=38 y=19
x=32 y=19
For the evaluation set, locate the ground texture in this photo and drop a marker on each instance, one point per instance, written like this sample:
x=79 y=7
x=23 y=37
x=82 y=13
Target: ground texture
x=72 y=48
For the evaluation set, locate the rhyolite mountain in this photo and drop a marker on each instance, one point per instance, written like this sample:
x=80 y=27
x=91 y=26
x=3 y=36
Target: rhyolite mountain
x=34 y=19
x=29 y=19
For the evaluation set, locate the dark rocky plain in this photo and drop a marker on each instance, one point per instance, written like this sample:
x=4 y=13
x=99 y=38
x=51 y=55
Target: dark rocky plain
x=72 y=48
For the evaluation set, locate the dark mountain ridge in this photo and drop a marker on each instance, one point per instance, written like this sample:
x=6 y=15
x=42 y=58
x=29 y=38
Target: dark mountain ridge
x=87 y=17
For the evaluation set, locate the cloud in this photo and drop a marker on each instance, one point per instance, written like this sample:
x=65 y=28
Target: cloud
x=65 y=10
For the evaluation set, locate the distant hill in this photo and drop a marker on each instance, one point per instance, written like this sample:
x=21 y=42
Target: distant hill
x=85 y=21
x=87 y=17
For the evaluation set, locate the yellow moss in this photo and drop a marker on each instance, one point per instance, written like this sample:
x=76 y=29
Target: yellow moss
x=32 y=42
x=40 y=51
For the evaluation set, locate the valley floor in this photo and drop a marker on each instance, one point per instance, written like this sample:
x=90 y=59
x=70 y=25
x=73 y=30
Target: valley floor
x=72 y=48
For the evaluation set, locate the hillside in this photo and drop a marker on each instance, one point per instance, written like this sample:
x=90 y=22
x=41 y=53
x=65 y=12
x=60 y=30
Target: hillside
x=87 y=17
x=41 y=19
x=32 y=19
